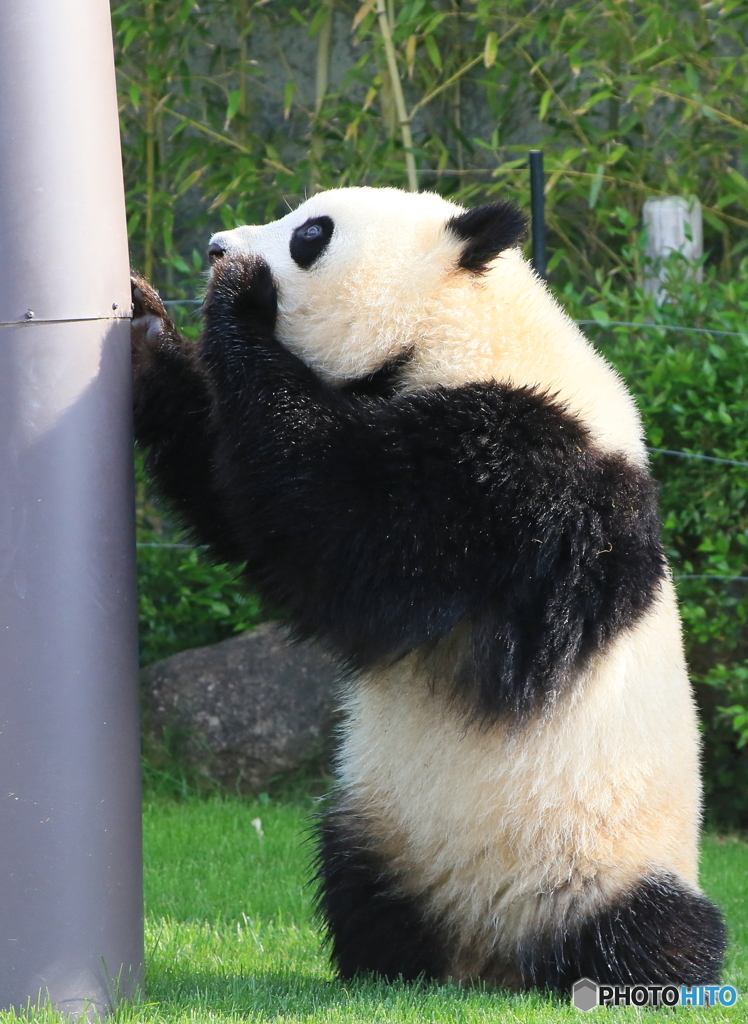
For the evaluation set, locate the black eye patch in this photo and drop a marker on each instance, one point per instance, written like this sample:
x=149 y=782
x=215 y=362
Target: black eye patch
x=310 y=240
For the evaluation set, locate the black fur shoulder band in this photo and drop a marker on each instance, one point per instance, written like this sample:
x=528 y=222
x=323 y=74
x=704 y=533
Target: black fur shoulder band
x=380 y=522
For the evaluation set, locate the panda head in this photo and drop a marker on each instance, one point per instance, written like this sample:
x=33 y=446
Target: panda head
x=363 y=273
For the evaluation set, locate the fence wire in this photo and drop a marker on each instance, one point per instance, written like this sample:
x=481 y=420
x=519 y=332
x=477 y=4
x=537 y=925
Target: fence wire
x=698 y=455
x=582 y=323
x=661 y=327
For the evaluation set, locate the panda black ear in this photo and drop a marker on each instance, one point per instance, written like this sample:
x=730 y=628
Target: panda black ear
x=487 y=231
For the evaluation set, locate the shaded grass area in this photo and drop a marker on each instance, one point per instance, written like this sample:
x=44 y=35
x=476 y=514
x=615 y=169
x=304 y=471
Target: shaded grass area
x=229 y=935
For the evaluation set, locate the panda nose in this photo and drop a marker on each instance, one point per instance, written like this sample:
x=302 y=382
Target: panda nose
x=215 y=252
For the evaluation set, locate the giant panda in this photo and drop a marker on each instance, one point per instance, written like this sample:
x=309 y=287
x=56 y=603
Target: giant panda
x=411 y=448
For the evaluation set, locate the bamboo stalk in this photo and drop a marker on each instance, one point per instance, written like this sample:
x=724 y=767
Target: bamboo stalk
x=446 y=84
x=321 y=83
x=460 y=72
x=201 y=127
x=243 y=19
x=150 y=149
x=323 y=60
x=535 y=69
x=397 y=89
x=727 y=118
x=457 y=118
x=457 y=92
x=614 y=103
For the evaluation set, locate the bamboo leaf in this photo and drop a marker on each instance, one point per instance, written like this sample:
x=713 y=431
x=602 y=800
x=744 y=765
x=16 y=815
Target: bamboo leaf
x=545 y=99
x=490 y=50
x=595 y=186
x=433 y=23
x=433 y=52
x=639 y=58
x=320 y=17
x=361 y=13
x=710 y=219
x=351 y=130
x=235 y=98
x=190 y=180
x=288 y=95
x=131 y=33
x=605 y=94
x=738 y=178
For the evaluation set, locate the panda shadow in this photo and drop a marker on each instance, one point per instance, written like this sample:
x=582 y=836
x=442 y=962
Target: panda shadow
x=277 y=994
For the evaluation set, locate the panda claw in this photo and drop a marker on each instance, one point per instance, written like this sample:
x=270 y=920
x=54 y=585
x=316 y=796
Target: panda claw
x=145 y=299
x=150 y=324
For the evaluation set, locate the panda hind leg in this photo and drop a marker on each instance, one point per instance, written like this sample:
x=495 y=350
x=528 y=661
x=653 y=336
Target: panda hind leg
x=371 y=926
x=661 y=932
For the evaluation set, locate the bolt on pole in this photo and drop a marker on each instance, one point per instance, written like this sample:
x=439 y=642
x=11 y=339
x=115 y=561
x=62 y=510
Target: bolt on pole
x=70 y=843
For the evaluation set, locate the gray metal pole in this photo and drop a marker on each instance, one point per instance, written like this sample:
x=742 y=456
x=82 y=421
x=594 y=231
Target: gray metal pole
x=70 y=846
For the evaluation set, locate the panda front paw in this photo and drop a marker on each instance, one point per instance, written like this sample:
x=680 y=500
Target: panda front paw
x=150 y=326
x=243 y=289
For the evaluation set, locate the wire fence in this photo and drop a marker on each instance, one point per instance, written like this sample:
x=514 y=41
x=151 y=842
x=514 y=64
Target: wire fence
x=658 y=451
x=698 y=455
x=652 y=327
x=645 y=325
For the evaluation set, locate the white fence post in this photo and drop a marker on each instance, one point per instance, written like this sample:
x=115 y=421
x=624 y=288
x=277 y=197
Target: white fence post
x=673 y=225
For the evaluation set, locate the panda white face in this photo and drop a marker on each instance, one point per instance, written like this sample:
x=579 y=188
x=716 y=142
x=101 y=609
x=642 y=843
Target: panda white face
x=357 y=271
x=368 y=276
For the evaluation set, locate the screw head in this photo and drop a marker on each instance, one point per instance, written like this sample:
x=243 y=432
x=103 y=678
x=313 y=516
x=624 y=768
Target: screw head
x=115 y=305
x=30 y=314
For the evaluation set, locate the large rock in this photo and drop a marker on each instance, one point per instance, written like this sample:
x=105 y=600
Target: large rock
x=246 y=709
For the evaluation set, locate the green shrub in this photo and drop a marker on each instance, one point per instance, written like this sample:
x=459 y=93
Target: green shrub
x=183 y=599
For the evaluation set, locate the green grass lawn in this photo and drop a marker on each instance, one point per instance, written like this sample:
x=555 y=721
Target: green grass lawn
x=229 y=935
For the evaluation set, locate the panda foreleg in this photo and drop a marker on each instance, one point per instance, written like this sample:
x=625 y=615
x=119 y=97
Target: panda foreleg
x=371 y=925
x=172 y=409
x=348 y=510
